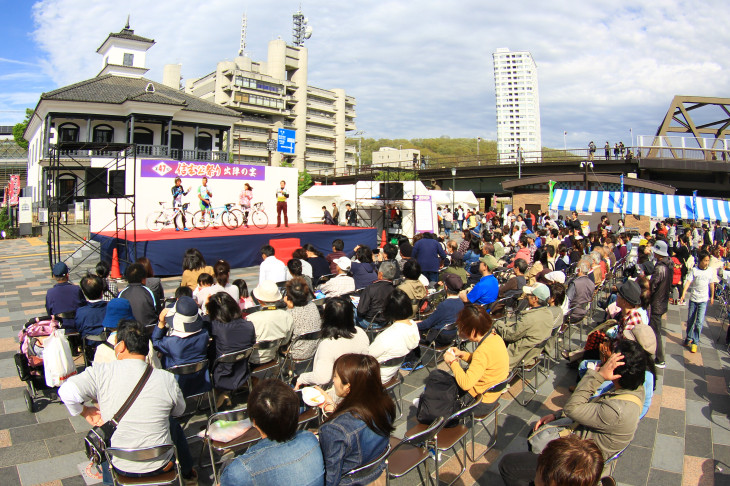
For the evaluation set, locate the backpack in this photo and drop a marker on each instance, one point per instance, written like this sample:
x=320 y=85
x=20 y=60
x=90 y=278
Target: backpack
x=439 y=399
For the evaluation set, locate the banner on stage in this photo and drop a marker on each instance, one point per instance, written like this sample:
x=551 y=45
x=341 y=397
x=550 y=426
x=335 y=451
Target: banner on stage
x=170 y=169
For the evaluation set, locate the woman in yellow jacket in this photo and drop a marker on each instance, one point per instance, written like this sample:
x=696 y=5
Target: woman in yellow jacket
x=488 y=364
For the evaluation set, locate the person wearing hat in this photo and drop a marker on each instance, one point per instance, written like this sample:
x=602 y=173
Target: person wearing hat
x=271 y=322
x=341 y=283
x=700 y=283
x=533 y=326
x=118 y=310
x=64 y=296
x=184 y=342
x=660 y=286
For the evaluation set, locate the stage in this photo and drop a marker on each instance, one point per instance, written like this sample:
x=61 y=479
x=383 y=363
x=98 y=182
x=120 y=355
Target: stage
x=240 y=247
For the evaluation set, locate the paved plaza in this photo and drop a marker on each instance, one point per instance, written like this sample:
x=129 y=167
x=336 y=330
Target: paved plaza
x=683 y=440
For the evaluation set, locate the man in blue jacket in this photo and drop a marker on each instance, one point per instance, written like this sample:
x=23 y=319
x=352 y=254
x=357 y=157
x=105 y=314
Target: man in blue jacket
x=89 y=318
x=485 y=291
x=427 y=251
x=64 y=296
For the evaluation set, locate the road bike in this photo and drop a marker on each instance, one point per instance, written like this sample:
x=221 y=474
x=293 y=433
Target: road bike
x=257 y=214
x=215 y=216
x=158 y=220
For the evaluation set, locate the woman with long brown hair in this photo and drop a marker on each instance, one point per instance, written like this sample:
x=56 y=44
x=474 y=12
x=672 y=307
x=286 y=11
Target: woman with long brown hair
x=358 y=428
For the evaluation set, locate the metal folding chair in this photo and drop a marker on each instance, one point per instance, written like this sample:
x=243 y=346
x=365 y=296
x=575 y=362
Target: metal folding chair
x=410 y=452
x=173 y=476
x=435 y=350
x=361 y=473
x=289 y=365
x=242 y=442
x=190 y=369
x=395 y=383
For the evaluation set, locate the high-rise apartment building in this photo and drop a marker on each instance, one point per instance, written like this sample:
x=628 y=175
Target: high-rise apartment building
x=518 y=104
x=275 y=94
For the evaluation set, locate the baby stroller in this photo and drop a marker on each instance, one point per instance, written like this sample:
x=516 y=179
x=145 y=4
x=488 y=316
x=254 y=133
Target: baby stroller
x=29 y=361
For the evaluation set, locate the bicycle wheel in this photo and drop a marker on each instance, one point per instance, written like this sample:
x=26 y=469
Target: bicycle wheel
x=229 y=220
x=259 y=219
x=156 y=221
x=201 y=220
x=239 y=216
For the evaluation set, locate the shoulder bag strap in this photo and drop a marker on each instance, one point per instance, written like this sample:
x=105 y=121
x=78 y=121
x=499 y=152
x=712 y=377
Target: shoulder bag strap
x=628 y=398
x=133 y=396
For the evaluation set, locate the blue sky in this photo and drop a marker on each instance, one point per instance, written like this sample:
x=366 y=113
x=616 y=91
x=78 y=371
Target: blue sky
x=417 y=69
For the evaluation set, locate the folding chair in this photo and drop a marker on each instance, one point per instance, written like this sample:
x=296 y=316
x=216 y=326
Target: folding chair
x=395 y=383
x=528 y=364
x=173 y=476
x=290 y=366
x=435 y=350
x=270 y=367
x=611 y=462
x=373 y=331
x=427 y=305
x=483 y=420
x=448 y=438
x=190 y=369
x=242 y=442
x=410 y=452
x=233 y=358
x=359 y=474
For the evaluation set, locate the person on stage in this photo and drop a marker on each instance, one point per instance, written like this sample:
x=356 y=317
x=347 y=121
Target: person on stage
x=177 y=194
x=245 y=201
x=281 y=196
x=204 y=195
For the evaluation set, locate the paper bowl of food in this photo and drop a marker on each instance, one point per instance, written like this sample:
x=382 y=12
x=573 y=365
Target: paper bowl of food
x=312 y=396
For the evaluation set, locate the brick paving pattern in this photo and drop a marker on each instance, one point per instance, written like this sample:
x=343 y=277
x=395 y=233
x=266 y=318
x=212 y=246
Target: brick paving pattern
x=683 y=440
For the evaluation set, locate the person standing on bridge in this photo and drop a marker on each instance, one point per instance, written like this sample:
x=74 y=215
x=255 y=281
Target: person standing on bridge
x=615 y=151
x=607 y=150
x=591 y=150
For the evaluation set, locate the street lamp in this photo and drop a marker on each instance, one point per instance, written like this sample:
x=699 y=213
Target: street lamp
x=453 y=183
x=586 y=164
x=359 y=148
x=479 y=139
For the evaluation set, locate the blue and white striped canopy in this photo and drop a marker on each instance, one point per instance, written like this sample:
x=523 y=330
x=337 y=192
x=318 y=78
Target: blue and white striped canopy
x=641 y=204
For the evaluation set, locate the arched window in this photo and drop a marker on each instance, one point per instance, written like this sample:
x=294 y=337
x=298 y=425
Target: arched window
x=205 y=141
x=68 y=132
x=177 y=139
x=103 y=134
x=143 y=136
x=66 y=189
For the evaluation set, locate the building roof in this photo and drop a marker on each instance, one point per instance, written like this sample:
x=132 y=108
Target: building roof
x=116 y=90
x=128 y=34
x=514 y=185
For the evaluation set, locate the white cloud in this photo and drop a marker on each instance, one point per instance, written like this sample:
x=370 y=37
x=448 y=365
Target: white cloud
x=425 y=69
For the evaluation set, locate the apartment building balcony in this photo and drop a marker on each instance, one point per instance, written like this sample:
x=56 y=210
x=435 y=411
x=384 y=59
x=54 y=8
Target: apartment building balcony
x=316 y=157
x=321 y=92
x=326 y=120
x=320 y=144
x=329 y=108
x=350 y=149
x=321 y=131
x=153 y=151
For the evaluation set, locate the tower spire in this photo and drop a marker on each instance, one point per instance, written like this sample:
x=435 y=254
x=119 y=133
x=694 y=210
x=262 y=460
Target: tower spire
x=242 y=46
x=127 y=26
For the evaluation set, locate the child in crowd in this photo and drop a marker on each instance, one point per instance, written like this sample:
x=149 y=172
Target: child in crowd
x=204 y=290
x=244 y=300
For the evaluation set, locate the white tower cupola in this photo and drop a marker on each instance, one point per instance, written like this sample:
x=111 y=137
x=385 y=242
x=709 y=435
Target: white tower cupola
x=124 y=53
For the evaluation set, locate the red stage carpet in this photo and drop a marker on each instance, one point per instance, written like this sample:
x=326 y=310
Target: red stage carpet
x=240 y=247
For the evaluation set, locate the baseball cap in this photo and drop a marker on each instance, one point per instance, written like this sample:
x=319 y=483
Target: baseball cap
x=541 y=291
x=186 y=319
x=490 y=261
x=453 y=282
x=60 y=269
x=343 y=262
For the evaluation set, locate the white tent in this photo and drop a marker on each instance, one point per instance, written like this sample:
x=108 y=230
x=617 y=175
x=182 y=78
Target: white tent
x=312 y=200
x=463 y=198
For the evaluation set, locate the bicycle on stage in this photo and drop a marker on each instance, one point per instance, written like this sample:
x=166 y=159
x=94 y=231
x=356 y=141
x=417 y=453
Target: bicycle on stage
x=257 y=214
x=164 y=217
x=215 y=216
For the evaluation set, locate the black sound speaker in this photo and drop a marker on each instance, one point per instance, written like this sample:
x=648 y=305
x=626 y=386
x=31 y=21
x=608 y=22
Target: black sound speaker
x=95 y=178
x=391 y=190
x=116 y=183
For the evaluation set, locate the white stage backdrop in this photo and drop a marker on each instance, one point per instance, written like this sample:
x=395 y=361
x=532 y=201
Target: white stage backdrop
x=154 y=179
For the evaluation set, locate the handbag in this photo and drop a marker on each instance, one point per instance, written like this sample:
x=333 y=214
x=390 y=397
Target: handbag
x=100 y=436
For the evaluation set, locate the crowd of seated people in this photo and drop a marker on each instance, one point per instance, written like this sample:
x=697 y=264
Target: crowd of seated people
x=552 y=274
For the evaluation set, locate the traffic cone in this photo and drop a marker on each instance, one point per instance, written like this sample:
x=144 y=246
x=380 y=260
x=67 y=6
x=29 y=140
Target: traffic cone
x=115 y=274
x=383 y=239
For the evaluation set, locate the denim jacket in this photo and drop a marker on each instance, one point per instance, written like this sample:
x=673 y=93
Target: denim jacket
x=347 y=443
x=296 y=461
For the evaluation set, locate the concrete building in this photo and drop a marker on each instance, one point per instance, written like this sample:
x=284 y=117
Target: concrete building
x=120 y=106
x=276 y=94
x=389 y=156
x=518 y=104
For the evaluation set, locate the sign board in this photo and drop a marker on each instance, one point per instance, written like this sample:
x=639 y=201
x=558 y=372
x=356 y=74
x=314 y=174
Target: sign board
x=286 y=141
x=14 y=189
x=424 y=215
x=25 y=210
x=271 y=145
x=79 y=211
x=43 y=215
x=170 y=169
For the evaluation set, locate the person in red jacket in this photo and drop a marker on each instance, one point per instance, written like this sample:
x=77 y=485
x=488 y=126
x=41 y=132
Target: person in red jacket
x=676 y=277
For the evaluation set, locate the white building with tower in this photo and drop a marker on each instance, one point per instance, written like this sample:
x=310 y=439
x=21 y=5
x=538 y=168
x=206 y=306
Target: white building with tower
x=274 y=94
x=517 y=105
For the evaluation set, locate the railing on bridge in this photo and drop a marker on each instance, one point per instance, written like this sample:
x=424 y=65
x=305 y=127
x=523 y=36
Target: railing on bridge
x=668 y=147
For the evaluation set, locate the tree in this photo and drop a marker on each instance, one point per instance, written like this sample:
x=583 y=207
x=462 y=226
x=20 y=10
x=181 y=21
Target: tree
x=19 y=129
x=305 y=181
